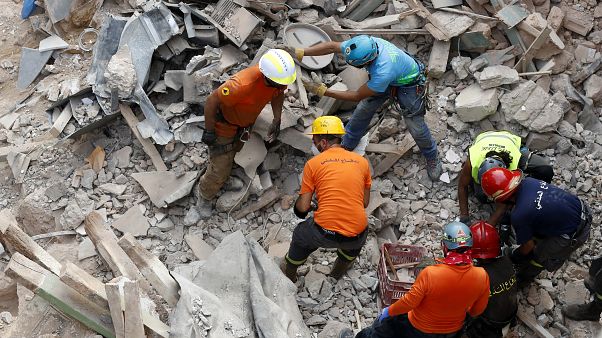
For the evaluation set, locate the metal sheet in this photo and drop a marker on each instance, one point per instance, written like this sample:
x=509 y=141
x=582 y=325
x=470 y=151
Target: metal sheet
x=304 y=35
x=58 y=9
x=32 y=63
x=105 y=47
x=512 y=15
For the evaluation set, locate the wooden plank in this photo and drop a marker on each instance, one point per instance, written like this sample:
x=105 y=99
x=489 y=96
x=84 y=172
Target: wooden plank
x=23 y=148
x=82 y=282
x=264 y=200
x=147 y=145
x=474 y=15
x=405 y=14
x=61 y=121
x=533 y=325
x=115 y=306
x=132 y=312
x=97 y=229
x=382 y=148
x=436 y=28
x=521 y=65
x=381 y=31
x=16 y=240
x=383 y=166
x=301 y=88
x=152 y=268
x=63 y=298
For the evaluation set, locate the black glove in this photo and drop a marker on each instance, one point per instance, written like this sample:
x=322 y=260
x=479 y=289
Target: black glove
x=299 y=213
x=516 y=257
x=465 y=219
x=209 y=137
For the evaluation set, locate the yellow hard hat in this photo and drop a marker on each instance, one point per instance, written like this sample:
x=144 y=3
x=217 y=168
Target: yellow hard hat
x=327 y=125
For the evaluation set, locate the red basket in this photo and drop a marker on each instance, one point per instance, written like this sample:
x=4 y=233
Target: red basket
x=391 y=290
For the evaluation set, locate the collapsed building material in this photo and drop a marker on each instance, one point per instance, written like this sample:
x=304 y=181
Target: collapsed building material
x=577 y=21
x=165 y=187
x=124 y=302
x=148 y=147
x=49 y=287
x=233 y=20
x=252 y=154
x=16 y=240
x=18 y=164
x=51 y=43
x=586 y=72
x=474 y=104
x=363 y=9
x=512 y=15
x=438 y=4
x=523 y=62
x=152 y=268
x=496 y=76
x=32 y=63
x=267 y=198
x=438 y=58
x=390 y=159
x=62 y=120
x=533 y=325
x=132 y=221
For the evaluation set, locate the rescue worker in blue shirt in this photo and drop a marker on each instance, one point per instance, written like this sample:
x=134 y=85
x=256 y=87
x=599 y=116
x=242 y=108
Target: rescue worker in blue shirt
x=550 y=223
x=393 y=73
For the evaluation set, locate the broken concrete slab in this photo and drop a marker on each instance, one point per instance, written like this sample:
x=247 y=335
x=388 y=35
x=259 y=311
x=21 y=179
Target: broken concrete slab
x=133 y=221
x=296 y=139
x=165 y=187
x=120 y=74
x=329 y=105
x=495 y=76
x=234 y=21
x=122 y=157
x=353 y=78
x=279 y=249
x=453 y=24
x=460 y=66
x=51 y=43
x=58 y=9
x=251 y=155
x=32 y=63
x=18 y=163
x=446 y=3
x=86 y=249
x=474 y=104
x=113 y=188
x=512 y=15
x=593 y=87
x=199 y=247
x=438 y=58
x=577 y=21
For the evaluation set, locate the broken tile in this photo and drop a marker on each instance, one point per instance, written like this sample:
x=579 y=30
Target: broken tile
x=32 y=63
x=86 y=249
x=112 y=188
x=18 y=164
x=133 y=221
x=51 y=43
x=199 y=247
x=166 y=187
x=122 y=157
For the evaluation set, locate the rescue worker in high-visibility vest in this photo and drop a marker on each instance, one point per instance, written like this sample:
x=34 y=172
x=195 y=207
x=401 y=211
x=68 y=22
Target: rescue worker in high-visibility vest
x=493 y=149
x=233 y=108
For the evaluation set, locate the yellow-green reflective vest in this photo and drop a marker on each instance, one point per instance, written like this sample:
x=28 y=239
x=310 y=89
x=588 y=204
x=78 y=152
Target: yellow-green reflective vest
x=493 y=141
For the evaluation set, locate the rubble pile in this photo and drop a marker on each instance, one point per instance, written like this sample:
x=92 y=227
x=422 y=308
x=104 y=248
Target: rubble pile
x=115 y=131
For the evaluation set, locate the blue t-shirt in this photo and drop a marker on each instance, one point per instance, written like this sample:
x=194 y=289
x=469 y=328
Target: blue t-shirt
x=544 y=210
x=392 y=67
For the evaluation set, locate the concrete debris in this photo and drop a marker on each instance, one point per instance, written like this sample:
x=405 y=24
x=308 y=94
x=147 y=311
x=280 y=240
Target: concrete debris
x=86 y=249
x=32 y=63
x=593 y=87
x=51 y=43
x=121 y=74
x=164 y=188
x=18 y=164
x=474 y=104
x=495 y=76
x=199 y=247
x=460 y=66
x=133 y=221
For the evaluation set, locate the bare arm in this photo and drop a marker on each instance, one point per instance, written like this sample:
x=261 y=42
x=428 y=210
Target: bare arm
x=366 y=197
x=323 y=48
x=211 y=106
x=500 y=209
x=303 y=203
x=463 y=184
x=277 y=104
x=358 y=95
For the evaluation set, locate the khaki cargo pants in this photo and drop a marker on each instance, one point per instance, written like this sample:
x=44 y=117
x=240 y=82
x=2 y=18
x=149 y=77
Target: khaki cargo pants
x=219 y=168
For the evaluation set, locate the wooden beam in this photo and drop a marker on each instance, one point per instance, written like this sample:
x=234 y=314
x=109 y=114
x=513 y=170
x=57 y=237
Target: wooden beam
x=434 y=26
x=474 y=15
x=115 y=306
x=132 y=310
x=533 y=325
x=84 y=283
x=147 y=145
x=152 y=268
x=61 y=121
x=16 y=240
x=383 y=166
x=264 y=200
x=537 y=43
x=63 y=298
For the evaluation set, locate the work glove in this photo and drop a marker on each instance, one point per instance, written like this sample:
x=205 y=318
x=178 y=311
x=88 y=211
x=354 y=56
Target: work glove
x=315 y=88
x=274 y=131
x=384 y=314
x=515 y=256
x=209 y=137
x=296 y=53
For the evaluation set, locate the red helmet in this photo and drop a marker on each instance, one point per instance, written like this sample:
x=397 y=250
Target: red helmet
x=486 y=241
x=499 y=183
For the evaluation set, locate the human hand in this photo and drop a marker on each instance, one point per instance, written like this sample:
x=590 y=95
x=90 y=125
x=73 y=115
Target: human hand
x=209 y=137
x=274 y=131
x=296 y=53
x=317 y=88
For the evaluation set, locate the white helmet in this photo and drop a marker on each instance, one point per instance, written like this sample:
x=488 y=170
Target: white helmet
x=278 y=66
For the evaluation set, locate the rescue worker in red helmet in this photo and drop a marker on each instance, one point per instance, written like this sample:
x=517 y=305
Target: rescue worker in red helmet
x=550 y=223
x=502 y=306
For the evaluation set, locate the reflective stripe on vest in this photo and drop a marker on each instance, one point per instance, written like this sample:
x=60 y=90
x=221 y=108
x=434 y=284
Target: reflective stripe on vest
x=493 y=141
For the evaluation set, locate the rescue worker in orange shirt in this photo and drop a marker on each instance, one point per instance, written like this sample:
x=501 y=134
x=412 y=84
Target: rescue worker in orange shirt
x=437 y=303
x=232 y=109
x=341 y=181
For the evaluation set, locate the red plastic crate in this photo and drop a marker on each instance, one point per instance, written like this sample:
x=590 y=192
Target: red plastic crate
x=391 y=290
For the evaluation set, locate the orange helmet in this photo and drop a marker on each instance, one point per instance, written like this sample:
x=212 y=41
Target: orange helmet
x=485 y=240
x=500 y=183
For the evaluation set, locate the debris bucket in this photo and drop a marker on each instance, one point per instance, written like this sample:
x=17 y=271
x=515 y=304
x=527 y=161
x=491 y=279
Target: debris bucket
x=391 y=290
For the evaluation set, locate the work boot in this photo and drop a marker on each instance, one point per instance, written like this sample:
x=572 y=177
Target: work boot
x=339 y=268
x=346 y=333
x=290 y=270
x=589 y=283
x=590 y=311
x=433 y=168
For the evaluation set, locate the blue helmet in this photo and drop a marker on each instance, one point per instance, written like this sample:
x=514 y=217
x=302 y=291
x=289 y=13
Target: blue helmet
x=490 y=163
x=456 y=235
x=360 y=50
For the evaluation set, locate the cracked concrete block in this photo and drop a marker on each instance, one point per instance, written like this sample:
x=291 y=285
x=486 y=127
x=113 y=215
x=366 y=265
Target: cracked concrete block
x=133 y=221
x=496 y=76
x=593 y=87
x=474 y=104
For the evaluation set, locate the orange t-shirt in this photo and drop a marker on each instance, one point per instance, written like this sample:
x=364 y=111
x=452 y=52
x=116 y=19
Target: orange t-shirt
x=242 y=98
x=338 y=178
x=442 y=295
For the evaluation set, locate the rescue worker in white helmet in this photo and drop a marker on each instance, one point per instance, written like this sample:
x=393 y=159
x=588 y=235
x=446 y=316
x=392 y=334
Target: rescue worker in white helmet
x=233 y=108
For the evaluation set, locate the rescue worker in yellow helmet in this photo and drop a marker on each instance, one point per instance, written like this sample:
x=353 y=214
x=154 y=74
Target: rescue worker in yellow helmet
x=232 y=109
x=340 y=180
